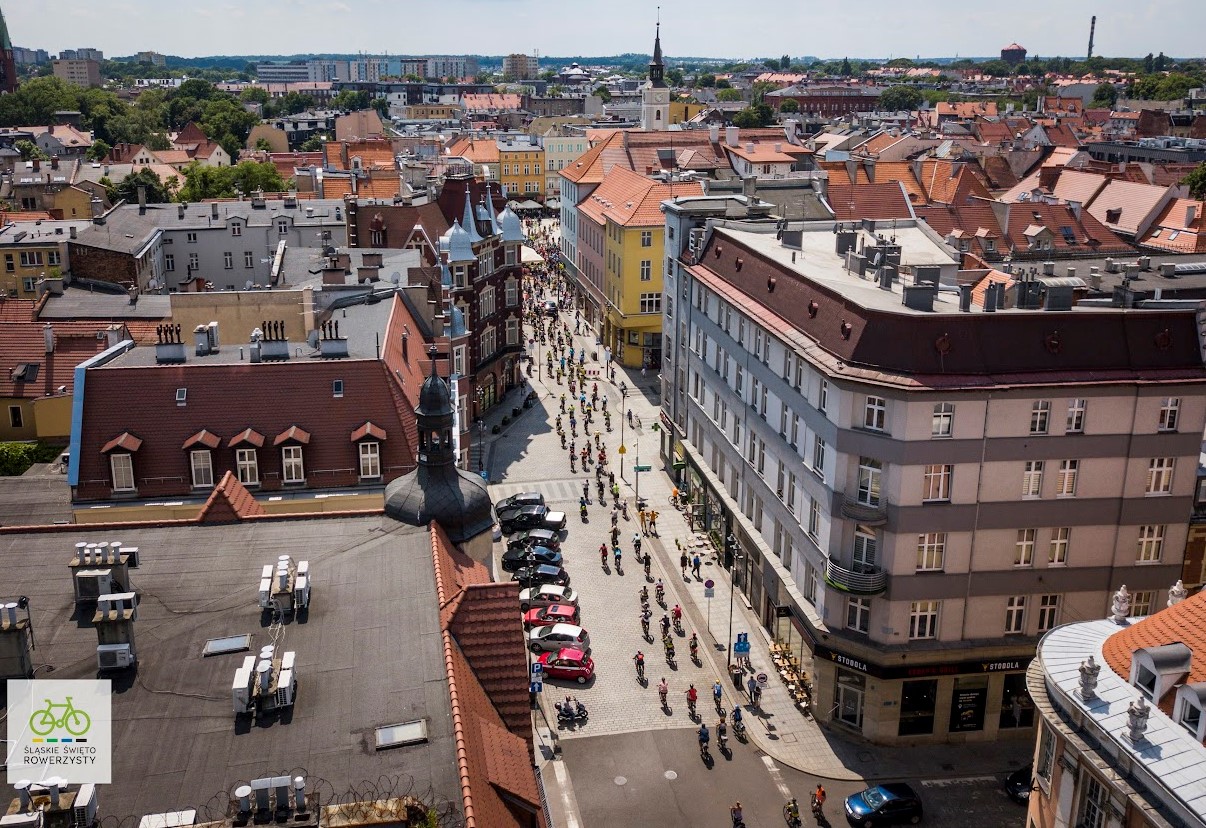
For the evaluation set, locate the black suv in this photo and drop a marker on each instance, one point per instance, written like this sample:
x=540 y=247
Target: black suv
x=515 y=559
x=516 y=501
x=535 y=537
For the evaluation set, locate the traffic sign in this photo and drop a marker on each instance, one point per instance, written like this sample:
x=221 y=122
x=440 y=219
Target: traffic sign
x=742 y=644
x=762 y=679
x=536 y=687
x=641 y=468
x=708 y=584
x=709 y=592
x=537 y=668
x=623 y=449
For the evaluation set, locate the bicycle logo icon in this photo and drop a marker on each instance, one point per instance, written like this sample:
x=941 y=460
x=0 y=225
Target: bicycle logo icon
x=44 y=721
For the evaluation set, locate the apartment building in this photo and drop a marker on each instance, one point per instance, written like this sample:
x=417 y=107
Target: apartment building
x=85 y=73
x=34 y=250
x=911 y=485
x=521 y=67
x=521 y=167
x=560 y=151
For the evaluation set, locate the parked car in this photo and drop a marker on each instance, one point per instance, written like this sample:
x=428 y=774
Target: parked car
x=568 y=663
x=552 y=639
x=552 y=614
x=890 y=804
x=530 y=517
x=1019 y=784
x=541 y=574
x=535 y=537
x=518 y=500
x=514 y=559
x=546 y=595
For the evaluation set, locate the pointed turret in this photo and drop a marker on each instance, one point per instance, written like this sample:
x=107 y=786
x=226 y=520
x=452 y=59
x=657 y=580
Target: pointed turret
x=656 y=68
x=469 y=220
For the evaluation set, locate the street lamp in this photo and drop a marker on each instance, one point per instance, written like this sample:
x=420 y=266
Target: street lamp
x=481 y=430
x=623 y=413
x=731 y=553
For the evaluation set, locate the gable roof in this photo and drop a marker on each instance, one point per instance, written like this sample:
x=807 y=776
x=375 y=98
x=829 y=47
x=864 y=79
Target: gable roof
x=1170 y=231
x=23 y=343
x=1139 y=204
x=632 y=200
x=1182 y=623
x=230 y=502
x=886 y=200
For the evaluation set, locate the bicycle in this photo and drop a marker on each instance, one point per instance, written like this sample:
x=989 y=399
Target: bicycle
x=75 y=722
x=791 y=814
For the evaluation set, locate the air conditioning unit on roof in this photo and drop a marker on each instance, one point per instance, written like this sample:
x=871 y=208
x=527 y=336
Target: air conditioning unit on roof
x=114 y=656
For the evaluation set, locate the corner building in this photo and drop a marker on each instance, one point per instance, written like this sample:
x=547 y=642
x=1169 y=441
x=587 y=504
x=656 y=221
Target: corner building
x=909 y=488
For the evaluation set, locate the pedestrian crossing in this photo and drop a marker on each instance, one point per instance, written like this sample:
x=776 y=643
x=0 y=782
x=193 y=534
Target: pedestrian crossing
x=554 y=491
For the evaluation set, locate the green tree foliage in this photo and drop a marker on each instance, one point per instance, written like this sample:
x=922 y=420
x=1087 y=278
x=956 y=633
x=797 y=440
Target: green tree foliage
x=789 y=106
x=127 y=188
x=723 y=84
x=1160 y=62
x=1196 y=181
x=996 y=68
x=98 y=151
x=674 y=76
x=728 y=94
x=263 y=146
x=758 y=115
x=1170 y=87
x=1104 y=96
x=36 y=101
x=313 y=144
x=29 y=150
x=1149 y=64
x=245 y=177
x=901 y=98
x=254 y=94
x=785 y=63
x=705 y=80
x=603 y=93
x=845 y=70
x=352 y=100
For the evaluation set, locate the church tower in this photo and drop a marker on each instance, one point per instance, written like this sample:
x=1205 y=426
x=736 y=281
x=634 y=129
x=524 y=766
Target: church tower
x=655 y=95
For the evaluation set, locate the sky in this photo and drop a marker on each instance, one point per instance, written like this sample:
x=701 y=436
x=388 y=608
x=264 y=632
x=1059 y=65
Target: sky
x=701 y=28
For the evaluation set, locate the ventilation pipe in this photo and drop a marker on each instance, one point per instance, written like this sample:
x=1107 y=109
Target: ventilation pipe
x=965 y=298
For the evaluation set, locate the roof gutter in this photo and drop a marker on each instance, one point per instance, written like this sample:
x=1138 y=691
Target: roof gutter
x=77 y=404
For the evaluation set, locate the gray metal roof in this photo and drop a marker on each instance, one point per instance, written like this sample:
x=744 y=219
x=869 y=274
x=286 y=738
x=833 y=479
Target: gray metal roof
x=81 y=303
x=368 y=654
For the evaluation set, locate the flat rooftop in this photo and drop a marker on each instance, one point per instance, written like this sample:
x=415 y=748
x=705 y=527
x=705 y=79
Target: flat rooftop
x=369 y=654
x=79 y=303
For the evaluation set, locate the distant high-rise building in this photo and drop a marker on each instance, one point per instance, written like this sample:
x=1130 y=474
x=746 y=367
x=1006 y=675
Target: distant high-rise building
x=86 y=53
x=8 y=67
x=30 y=57
x=153 y=58
x=521 y=67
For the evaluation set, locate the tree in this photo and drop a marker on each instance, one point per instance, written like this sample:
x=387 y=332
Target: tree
x=845 y=70
x=728 y=95
x=723 y=84
x=30 y=151
x=195 y=88
x=1104 y=96
x=245 y=177
x=784 y=63
x=36 y=100
x=127 y=188
x=603 y=93
x=262 y=145
x=352 y=100
x=1160 y=62
x=295 y=102
x=313 y=144
x=1149 y=64
x=752 y=117
x=789 y=106
x=705 y=80
x=674 y=76
x=1196 y=181
x=98 y=151
x=901 y=98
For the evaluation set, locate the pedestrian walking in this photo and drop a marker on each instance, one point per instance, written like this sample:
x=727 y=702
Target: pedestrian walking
x=683 y=562
x=695 y=564
x=653 y=523
x=615 y=535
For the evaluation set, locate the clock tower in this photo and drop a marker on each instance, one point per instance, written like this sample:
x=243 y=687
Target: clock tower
x=655 y=95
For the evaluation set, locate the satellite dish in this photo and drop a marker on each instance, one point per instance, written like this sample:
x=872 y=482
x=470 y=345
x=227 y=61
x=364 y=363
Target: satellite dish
x=312 y=339
x=396 y=278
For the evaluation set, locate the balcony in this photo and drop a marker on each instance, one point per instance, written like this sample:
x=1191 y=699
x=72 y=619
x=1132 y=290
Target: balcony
x=864 y=514
x=866 y=580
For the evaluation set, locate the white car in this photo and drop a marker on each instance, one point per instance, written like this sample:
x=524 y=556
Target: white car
x=557 y=637
x=546 y=596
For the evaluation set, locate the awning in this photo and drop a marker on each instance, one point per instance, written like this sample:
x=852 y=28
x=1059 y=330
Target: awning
x=247 y=435
x=529 y=256
x=204 y=438
x=293 y=434
x=368 y=430
x=124 y=441
x=529 y=205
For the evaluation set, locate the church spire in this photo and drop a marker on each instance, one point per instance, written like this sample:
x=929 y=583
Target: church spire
x=656 y=69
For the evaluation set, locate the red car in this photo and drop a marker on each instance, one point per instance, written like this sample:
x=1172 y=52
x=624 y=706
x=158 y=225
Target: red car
x=554 y=614
x=568 y=664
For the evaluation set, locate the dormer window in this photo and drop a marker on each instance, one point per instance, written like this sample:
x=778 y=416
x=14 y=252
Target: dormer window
x=1187 y=710
x=1156 y=670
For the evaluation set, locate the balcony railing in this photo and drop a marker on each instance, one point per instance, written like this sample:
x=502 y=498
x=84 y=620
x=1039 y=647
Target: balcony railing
x=862 y=513
x=865 y=580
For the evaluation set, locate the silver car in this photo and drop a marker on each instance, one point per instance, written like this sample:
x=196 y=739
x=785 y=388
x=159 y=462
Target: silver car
x=558 y=636
x=546 y=596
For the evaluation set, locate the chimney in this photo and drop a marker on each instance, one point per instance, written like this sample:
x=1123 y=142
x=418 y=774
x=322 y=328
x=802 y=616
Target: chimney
x=965 y=298
x=54 y=162
x=37 y=165
x=48 y=337
x=1191 y=213
x=114 y=334
x=22 y=787
x=714 y=133
x=731 y=136
x=749 y=147
x=990 y=298
x=142 y=200
x=749 y=187
x=72 y=231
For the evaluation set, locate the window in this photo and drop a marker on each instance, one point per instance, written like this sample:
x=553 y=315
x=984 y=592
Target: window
x=823 y=397
x=858 y=614
x=875 y=413
x=1048 y=614
x=236 y=229
x=865 y=550
x=489 y=342
x=370 y=460
x=16 y=418
x=1093 y=804
x=1159 y=475
x=247 y=467
x=646 y=270
x=32 y=258
x=191 y=238
x=194 y=263
x=1057 y=552
x=1076 y=417
x=1040 y=415
x=293 y=470
x=248 y=259
x=10 y=264
x=202 y=465
x=337 y=389
x=228 y=260
x=122 y=467
x=1023 y=550
x=282 y=227
x=651 y=302
x=512 y=293
x=943 y=423
x=1141 y=603
x=1151 y=544
x=1015 y=615
x=814 y=518
x=1170 y=409
x=1189 y=716
x=937 y=483
x=396 y=735
x=646 y=238
x=818 y=456
x=485 y=302
x=931 y=551
x=1032 y=479
x=458 y=360
x=512 y=331
x=1046 y=751
x=52 y=258
x=1065 y=481
x=923 y=619
x=869 y=472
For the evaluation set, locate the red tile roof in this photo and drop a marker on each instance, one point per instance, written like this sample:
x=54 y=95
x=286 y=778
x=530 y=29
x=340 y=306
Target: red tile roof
x=1183 y=623
x=294 y=434
x=230 y=502
x=632 y=200
x=203 y=437
x=852 y=202
x=368 y=430
x=1172 y=232
x=247 y=435
x=17 y=310
x=23 y=342
x=125 y=441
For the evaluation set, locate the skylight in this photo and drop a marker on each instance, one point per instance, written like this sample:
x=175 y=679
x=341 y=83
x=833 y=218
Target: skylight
x=230 y=644
x=405 y=733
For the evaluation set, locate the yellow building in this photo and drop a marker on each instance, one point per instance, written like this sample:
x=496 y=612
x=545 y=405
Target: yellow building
x=680 y=112
x=30 y=251
x=521 y=168
x=626 y=220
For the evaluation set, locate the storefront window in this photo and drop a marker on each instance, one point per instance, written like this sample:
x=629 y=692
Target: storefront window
x=968 y=703
x=851 y=688
x=917 y=699
x=787 y=634
x=1017 y=710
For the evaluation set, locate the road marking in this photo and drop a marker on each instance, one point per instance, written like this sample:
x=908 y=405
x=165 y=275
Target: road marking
x=962 y=780
x=569 y=803
x=776 y=777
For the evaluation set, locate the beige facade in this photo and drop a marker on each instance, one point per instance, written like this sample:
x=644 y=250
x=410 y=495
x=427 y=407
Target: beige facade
x=85 y=73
